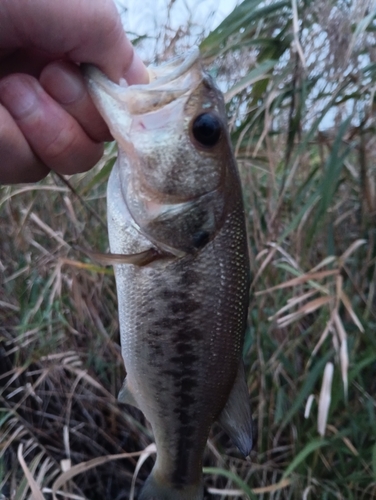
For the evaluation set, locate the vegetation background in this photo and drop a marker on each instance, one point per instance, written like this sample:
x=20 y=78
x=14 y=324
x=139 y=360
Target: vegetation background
x=299 y=77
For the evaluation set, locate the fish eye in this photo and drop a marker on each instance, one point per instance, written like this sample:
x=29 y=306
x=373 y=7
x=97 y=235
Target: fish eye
x=206 y=129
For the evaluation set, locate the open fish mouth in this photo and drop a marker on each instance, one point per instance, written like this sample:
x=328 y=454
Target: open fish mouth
x=173 y=69
x=168 y=83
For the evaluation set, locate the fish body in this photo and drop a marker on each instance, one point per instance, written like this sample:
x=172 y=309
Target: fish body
x=175 y=192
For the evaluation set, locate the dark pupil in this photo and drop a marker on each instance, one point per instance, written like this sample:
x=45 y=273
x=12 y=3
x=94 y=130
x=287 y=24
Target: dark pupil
x=206 y=129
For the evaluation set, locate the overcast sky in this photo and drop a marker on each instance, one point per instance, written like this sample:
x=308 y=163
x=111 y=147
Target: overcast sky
x=154 y=12
x=148 y=16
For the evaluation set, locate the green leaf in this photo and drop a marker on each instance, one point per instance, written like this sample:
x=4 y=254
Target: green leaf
x=7 y=415
x=255 y=75
x=233 y=477
x=308 y=385
x=313 y=199
x=244 y=17
x=363 y=24
x=100 y=177
x=307 y=450
x=331 y=177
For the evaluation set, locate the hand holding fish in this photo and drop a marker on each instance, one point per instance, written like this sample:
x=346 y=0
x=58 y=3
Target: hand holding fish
x=47 y=118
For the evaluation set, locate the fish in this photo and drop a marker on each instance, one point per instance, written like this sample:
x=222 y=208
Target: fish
x=177 y=235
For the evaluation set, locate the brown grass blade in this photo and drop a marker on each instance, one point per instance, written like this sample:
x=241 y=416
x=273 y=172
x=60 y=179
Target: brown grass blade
x=292 y=303
x=354 y=246
x=346 y=302
x=37 y=494
x=149 y=450
x=300 y=280
x=85 y=466
x=46 y=228
x=308 y=308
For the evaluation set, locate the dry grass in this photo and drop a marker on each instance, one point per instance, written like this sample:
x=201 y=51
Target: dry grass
x=310 y=347
x=61 y=364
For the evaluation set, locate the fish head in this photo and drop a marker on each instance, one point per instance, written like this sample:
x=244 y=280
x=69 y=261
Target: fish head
x=174 y=151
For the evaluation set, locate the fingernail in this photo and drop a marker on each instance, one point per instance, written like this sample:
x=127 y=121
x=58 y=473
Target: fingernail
x=62 y=85
x=137 y=73
x=19 y=95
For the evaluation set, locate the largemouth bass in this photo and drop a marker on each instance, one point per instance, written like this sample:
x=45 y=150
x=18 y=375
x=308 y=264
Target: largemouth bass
x=176 y=224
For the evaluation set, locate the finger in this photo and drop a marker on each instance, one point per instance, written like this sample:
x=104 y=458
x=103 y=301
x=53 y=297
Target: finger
x=18 y=163
x=54 y=136
x=87 y=31
x=130 y=64
x=64 y=82
x=112 y=52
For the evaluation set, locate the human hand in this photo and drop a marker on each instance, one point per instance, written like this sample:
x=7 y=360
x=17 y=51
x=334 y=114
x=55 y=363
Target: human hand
x=47 y=119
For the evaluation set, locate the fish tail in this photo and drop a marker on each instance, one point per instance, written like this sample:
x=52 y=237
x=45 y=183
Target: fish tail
x=162 y=490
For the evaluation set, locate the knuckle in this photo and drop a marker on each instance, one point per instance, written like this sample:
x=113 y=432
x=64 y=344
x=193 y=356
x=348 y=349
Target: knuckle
x=71 y=151
x=62 y=145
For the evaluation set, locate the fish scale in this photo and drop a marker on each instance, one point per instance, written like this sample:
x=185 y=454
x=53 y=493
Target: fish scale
x=183 y=315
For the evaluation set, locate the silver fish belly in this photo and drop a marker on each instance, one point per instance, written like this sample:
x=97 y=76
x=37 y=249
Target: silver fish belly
x=175 y=192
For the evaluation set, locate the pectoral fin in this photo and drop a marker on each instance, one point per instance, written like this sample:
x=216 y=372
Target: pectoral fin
x=125 y=395
x=137 y=259
x=235 y=417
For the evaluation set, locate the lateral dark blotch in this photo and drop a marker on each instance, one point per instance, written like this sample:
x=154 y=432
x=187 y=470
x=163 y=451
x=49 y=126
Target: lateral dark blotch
x=185 y=359
x=186 y=398
x=183 y=348
x=176 y=307
x=180 y=475
x=184 y=417
x=186 y=334
x=166 y=293
x=190 y=306
x=173 y=373
x=153 y=336
x=187 y=384
x=189 y=277
x=195 y=333
x=157 y=348
x=167 y=323
x=188 y=430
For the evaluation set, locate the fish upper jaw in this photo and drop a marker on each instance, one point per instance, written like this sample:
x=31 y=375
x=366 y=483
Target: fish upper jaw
x=107 y=98
x=120 y=104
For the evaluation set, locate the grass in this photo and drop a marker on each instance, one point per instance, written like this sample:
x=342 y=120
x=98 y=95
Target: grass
x=303 y=131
